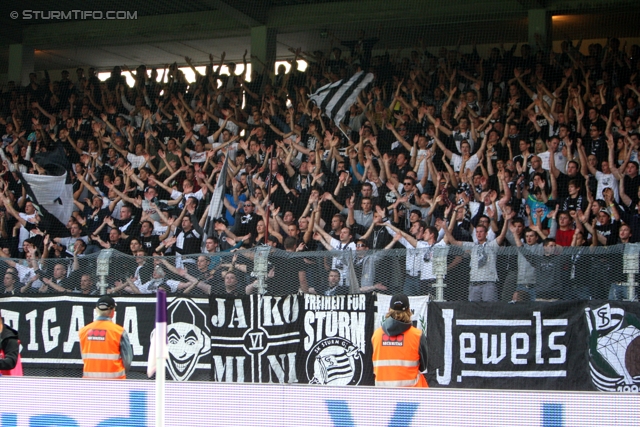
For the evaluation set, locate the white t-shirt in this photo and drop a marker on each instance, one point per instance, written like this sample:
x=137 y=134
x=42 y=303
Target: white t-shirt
x=175 y=194
x=456 y=162
x=340 y=263
x=198 y=157
x=606 y=181
x=561 y=160
x=27 y=273
x=151 y=287
x=426 y=271
x=136 y=161
x=24 y=233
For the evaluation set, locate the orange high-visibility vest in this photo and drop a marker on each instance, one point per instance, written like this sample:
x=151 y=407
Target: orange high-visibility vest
x=100 y=346
x=396 y=359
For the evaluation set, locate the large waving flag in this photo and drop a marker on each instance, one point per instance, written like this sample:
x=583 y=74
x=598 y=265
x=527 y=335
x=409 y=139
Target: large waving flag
x=52 y=198
x=336 y=98
x=217 y=202
x=52 y=193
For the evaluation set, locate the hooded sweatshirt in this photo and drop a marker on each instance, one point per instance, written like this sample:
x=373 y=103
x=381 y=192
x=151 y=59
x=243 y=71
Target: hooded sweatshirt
x=10 y=346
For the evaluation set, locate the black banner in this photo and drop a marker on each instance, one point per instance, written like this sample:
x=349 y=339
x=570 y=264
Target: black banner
x=292 y=339
x=255 y=338
x=48 y=328
x=508 y=346
x=337 y=339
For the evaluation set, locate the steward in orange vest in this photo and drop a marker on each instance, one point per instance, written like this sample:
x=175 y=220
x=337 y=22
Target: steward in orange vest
x=399 y=349
x=10 y=362
x=106 y=350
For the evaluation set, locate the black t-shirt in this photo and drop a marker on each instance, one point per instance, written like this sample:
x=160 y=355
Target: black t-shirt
x=325 y=289
x=286 y=279
x=563 y=184
x=192 y=242
x=631 y=187
x=149 y=243
x=245 y=223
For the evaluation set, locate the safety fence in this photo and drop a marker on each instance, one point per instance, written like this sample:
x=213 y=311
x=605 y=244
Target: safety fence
x=447 y=273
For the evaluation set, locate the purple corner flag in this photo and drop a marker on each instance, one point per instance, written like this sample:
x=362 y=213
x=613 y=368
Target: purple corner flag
x=161 y=306
x=158 y=344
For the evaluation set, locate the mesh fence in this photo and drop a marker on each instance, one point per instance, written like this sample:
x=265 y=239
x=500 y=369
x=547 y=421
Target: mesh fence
x=530 y=273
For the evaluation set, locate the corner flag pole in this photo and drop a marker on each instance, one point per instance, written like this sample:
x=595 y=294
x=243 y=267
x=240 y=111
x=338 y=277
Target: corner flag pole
x=161 y=351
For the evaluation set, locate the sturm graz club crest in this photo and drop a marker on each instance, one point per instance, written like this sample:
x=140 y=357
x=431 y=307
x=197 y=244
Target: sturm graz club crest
x=614 y=349
x=334 y=361
x=188 y=338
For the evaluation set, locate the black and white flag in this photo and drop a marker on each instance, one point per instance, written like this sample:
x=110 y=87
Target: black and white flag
x=217 y=202
x=335 y=99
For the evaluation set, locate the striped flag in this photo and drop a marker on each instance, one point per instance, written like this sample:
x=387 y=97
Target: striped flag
x=336 y=98
x=217 y=202
x=158 y=347
x=335 y=367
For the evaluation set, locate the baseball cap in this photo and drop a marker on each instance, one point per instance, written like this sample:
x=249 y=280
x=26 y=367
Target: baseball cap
x=222 y=220
x=399 y=302
x=106 y=302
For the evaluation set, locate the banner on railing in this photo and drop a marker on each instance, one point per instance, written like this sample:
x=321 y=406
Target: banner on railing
x=48 y=328
x=337 y=339
x=579 y=345
x=294 y=339
x=614 y=346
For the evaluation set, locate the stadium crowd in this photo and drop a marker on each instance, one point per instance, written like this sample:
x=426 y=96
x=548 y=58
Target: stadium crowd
x=526 y=147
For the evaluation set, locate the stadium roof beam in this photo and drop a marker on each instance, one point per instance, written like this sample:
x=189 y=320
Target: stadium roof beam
x=532 y=4
x=145 y=29
x=235 y=13
x=347 y=14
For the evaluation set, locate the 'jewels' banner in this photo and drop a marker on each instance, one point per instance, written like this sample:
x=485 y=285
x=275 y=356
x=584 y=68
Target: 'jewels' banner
x=508 y=346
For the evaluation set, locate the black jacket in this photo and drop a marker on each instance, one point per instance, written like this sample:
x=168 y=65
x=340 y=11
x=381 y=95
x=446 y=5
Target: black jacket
x=10 y=345
x=552 y=274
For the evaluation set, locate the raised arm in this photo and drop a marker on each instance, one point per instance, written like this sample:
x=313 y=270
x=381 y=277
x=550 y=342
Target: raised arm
x=442 y=147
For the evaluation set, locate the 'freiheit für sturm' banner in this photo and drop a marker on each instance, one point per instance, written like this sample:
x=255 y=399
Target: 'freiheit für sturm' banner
x=293 y=339
x=48 y=328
